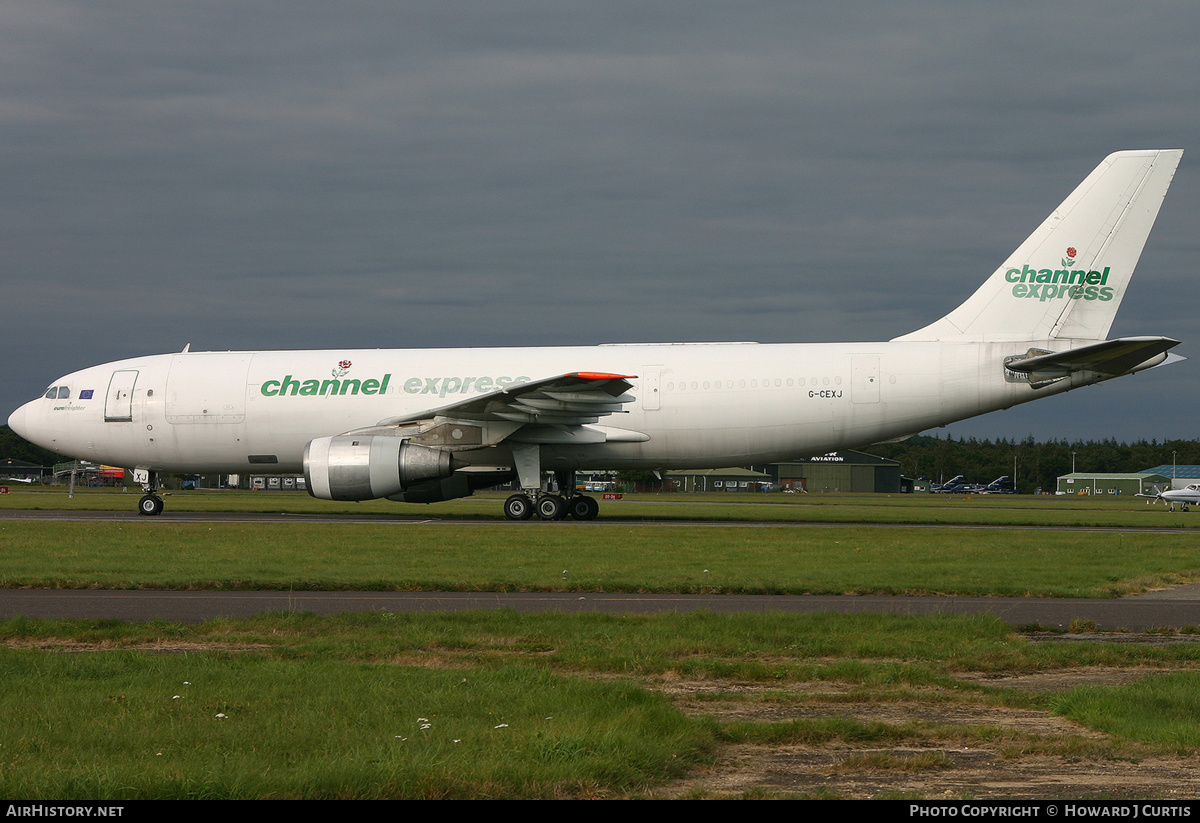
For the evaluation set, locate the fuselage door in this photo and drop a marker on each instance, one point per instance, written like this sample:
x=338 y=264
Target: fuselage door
x=864 y=378
x=118 y=403
x=651 y=388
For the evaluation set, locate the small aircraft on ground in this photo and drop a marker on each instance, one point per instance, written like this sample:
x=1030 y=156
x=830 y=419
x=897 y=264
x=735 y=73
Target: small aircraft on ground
x=1001 y=485
x=952 y=485
x=1189 y=495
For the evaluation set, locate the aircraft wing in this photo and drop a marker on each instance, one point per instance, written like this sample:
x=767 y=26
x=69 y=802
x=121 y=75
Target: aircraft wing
x=556 y=409
x=1110 y=357
x=573 y=399
x=553 y=409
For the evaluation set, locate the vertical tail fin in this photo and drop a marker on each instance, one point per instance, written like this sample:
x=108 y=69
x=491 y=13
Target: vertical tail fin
x=1068 y=277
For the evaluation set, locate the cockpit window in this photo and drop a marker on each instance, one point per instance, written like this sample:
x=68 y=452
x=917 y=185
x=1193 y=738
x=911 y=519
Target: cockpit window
x=63 y=392
x=57 y=393
x=52 y=393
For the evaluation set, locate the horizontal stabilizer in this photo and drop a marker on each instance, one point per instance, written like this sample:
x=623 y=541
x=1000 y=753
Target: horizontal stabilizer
x=1109 y=357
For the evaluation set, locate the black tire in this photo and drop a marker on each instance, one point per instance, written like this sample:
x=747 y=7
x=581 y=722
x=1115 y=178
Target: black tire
x=518 y=507
x=551 y=507
x=582 y=507
x=150 y=505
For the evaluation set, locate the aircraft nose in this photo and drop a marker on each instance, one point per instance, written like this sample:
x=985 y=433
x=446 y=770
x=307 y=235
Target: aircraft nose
x=16 y=421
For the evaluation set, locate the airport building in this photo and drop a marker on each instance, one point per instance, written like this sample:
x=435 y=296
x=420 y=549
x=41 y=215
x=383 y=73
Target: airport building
x=1086 y=483
x=1180 y=476
x=720 y=480
x=20 y=470
x=844 y=471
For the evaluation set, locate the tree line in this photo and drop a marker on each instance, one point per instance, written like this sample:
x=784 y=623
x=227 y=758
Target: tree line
x=1038 y=464
x=15 y=447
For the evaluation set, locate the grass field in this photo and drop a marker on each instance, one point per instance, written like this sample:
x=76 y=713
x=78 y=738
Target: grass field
x=638 y=545
x=923 y=509
x=157 y=553
x=553 y=706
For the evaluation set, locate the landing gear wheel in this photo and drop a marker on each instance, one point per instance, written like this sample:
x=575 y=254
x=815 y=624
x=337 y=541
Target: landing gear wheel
x=582 y=507
x=518 y=507
x=150 y=505
x=551 y=507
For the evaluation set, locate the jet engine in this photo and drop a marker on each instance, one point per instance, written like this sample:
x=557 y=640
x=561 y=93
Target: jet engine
x=350 y=467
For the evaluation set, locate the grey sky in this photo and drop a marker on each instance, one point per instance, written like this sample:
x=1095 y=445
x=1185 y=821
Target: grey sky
x=387 y=174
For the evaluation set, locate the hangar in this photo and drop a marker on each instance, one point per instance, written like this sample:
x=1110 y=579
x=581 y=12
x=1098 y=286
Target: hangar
x=843 y=471
x=1180 y=476
x=1112 y=483
x=718 y=480
x=19 y=469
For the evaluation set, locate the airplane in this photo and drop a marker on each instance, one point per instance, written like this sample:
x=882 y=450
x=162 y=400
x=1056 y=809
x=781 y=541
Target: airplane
x=426 y=425
x=995 y=487
x=1000 y=485
x=951 y=485
x=1189 y=495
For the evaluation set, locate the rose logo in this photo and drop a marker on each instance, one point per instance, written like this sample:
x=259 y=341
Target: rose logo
x=343 y=367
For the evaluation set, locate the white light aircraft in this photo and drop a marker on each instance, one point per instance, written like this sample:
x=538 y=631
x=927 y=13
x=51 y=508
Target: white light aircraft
x=1189 y=495
x=431 y=425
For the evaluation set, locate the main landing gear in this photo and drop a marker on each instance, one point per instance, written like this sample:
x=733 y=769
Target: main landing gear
x=150 y=504
x=546 y=505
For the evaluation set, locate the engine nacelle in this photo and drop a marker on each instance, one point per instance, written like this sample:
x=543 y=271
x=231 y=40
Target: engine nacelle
x=346 y=467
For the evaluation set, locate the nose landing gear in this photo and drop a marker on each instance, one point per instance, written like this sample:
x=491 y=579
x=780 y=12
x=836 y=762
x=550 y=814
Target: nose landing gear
x=150 y=504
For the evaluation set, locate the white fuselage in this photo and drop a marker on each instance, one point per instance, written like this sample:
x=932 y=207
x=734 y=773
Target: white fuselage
x=1187 y=496
x=697 y=405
